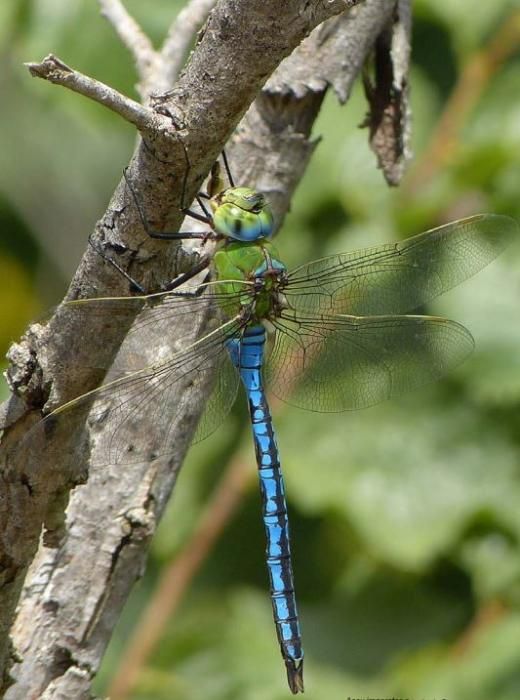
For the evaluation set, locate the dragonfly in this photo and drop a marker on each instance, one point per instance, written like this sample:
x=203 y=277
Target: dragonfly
x=335 y=334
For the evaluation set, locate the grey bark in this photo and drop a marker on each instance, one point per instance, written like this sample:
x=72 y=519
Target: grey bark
x=81 y=576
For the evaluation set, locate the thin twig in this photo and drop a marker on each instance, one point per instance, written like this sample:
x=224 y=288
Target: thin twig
x=473 y=80
x=58 y=72
x=130 y=34
x=180 y=35
x=176 y=577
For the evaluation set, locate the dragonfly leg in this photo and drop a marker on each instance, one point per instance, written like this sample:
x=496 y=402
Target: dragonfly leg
x=133 y=283
x=203 y=264
x=199 y=217
x=167 y=235
x=177 y=282
x=216 y=182
x=228 y=169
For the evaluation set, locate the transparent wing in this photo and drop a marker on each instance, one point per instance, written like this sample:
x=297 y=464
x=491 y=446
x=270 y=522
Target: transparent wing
x=220 y=397
x=339 y=363
x=155 y=382
x=400 y=277
x=179 y=314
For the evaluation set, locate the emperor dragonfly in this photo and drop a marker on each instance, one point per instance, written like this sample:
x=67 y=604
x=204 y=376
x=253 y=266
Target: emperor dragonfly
x=337 y=346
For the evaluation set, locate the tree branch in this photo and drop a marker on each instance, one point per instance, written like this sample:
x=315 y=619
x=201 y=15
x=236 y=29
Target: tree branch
x=47 y=362
x=56 y=71
x=132 y=36
x=180 y=36
x=176 y=577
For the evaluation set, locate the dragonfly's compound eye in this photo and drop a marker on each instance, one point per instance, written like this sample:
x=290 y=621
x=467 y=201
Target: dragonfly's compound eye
x=243 y=214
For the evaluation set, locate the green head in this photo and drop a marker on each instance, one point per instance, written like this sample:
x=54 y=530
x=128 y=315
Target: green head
x=242 y=213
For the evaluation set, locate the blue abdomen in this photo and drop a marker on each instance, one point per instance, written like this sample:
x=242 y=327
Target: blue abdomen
x=247 y=355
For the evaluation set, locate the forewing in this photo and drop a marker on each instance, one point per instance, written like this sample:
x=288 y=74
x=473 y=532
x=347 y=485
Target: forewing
x=167 y=322
x=339 y=363
x=400 y=277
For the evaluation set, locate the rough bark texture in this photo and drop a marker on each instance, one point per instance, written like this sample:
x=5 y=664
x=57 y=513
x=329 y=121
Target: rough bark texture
x=336 y=51
x=78 y=584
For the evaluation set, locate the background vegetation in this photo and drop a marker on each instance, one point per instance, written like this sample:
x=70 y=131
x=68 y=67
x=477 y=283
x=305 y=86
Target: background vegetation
x=405 y=517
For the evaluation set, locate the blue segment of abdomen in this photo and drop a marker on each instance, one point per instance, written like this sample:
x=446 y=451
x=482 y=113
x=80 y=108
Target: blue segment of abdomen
x=247 y=355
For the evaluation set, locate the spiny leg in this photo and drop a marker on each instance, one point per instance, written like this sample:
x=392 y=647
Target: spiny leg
x=216 y=183
x=203 y=264
x=134 y=285
x=183 y=207
x=228 y=169
x=206 y=218
x=160 y=235
x=178 y=281
x=167 y=235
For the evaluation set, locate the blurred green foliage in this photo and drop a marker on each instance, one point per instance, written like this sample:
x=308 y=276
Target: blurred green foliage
x=405 y=517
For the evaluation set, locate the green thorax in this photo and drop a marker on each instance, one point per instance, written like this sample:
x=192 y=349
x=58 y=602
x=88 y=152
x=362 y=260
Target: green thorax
x=256 y=263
